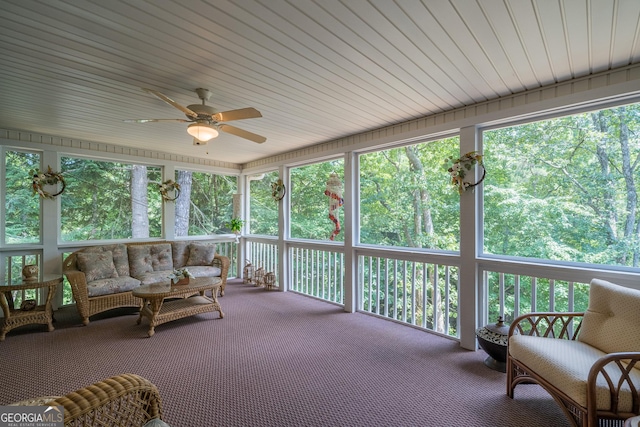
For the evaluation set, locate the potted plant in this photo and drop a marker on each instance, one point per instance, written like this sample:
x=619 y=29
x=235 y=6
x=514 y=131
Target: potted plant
x=235 y=225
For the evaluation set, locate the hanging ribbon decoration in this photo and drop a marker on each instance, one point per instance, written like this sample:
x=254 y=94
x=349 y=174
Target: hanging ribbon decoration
x=334 y=191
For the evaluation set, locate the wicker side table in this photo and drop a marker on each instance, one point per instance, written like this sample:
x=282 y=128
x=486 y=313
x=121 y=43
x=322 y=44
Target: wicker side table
x=42 y=314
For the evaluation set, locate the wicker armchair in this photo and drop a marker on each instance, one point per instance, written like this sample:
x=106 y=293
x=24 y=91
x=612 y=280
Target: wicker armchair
x=125 y=400
x=588 y=362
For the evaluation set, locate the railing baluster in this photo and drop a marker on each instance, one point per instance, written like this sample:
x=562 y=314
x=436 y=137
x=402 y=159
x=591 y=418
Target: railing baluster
x=386 y=287
x=404 y=291
x=435 y=302
x=369 y=282
x=378 y=285
x=413 y=293
x=395 y=288
x=320 y=274
x=516 y=296
x=501 y=294
x=534 y=296
x=424 y=295
x=447 y=299
x=570 y=297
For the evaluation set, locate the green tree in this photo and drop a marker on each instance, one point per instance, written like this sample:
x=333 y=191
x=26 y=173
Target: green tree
x=309 y=204
x=22 y=206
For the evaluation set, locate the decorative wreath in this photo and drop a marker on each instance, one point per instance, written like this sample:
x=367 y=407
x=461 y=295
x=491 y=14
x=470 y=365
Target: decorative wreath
x=278 y=190
x=166 y=187
x=464 y=165
x=40 y=179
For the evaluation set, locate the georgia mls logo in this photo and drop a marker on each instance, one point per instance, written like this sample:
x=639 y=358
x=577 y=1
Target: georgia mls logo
x=56 y=409
x=31 y=416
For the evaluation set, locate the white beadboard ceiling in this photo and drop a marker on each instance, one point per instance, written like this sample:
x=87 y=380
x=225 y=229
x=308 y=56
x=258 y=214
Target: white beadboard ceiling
x=318 y=70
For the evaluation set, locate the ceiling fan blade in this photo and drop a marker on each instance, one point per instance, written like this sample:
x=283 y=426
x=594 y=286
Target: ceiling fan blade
x=171 y=102
x=154 y=120
x=242 y=113
x=242 y=133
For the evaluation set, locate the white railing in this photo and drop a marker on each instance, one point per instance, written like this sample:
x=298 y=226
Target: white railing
x=511 y=288
x=229 y=249
x=264 y=255
x=317 y=272
x=12 y=264
x=510 y=295
x=410 y=290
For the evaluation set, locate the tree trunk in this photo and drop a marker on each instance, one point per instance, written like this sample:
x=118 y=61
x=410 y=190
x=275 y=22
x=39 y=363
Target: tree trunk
x=423 y=222
x=183 y=203
x=139 y=203
x=627 y=173
x=609 y=214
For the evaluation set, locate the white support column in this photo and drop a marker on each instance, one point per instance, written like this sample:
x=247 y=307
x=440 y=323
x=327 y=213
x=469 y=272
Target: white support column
x=244 y=211
x=469 y=240
x=51 y=208
x=284 y=271
x=351 y=231
x=51 y=262
x=169 y=208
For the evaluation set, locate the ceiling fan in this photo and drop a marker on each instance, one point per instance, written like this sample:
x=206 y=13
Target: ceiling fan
x=205 y=121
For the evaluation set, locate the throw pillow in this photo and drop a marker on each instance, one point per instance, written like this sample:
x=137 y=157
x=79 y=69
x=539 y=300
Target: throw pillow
x=140 y=260
x=161 y=259
x=201 y=254
x=97 y=265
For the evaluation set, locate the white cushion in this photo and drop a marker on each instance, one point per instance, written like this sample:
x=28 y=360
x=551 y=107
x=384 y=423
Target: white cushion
x=566 y=364
x=612 y=321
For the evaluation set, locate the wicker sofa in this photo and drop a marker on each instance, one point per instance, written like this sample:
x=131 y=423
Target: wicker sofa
x=589 y=362
x=125 y=400
x=102 y=277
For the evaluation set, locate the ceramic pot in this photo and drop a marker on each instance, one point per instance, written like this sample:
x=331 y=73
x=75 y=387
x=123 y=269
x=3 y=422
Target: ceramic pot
x=493 y=339
x=181 y=282
x=30 y=272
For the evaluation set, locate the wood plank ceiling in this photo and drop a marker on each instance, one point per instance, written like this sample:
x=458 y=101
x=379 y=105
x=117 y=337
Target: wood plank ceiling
x=317 y=69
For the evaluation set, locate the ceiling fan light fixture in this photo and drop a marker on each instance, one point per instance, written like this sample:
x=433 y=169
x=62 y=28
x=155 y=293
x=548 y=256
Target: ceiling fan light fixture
x=202 y=131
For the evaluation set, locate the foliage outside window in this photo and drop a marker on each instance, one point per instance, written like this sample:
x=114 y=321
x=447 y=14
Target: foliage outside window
x=205 y=205
x=406 y=198
x=263 y=209
x=22 y=208
x=565 y=189
x=109 y=200
x=309 y=204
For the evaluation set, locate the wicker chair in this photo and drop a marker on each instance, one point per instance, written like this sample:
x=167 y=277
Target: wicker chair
x=588 y=362
x=125 y=400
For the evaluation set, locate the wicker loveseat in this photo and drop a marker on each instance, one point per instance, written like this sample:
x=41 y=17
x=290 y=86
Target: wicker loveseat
x=126 y=400
x=102 y=277
x=589 y=362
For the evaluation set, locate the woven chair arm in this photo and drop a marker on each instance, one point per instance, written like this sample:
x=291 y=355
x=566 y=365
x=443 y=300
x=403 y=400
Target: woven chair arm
x=123 y=401
x=548 y=325
x=78 y=282
x=221 y=262
x=616 y=369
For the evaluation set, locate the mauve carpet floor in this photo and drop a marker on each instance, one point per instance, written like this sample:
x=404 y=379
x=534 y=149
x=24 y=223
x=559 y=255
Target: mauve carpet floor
x=276 y=359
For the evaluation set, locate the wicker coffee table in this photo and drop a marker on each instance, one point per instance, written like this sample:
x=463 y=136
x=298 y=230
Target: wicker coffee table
x=183 y=300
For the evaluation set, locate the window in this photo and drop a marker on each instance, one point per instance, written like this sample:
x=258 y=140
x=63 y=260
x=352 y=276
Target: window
x=263 y=209
x=309 y=204
x=565 y=189
x=406 y=199
x=109 y=200
x=205 y=205
x=22 y=207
